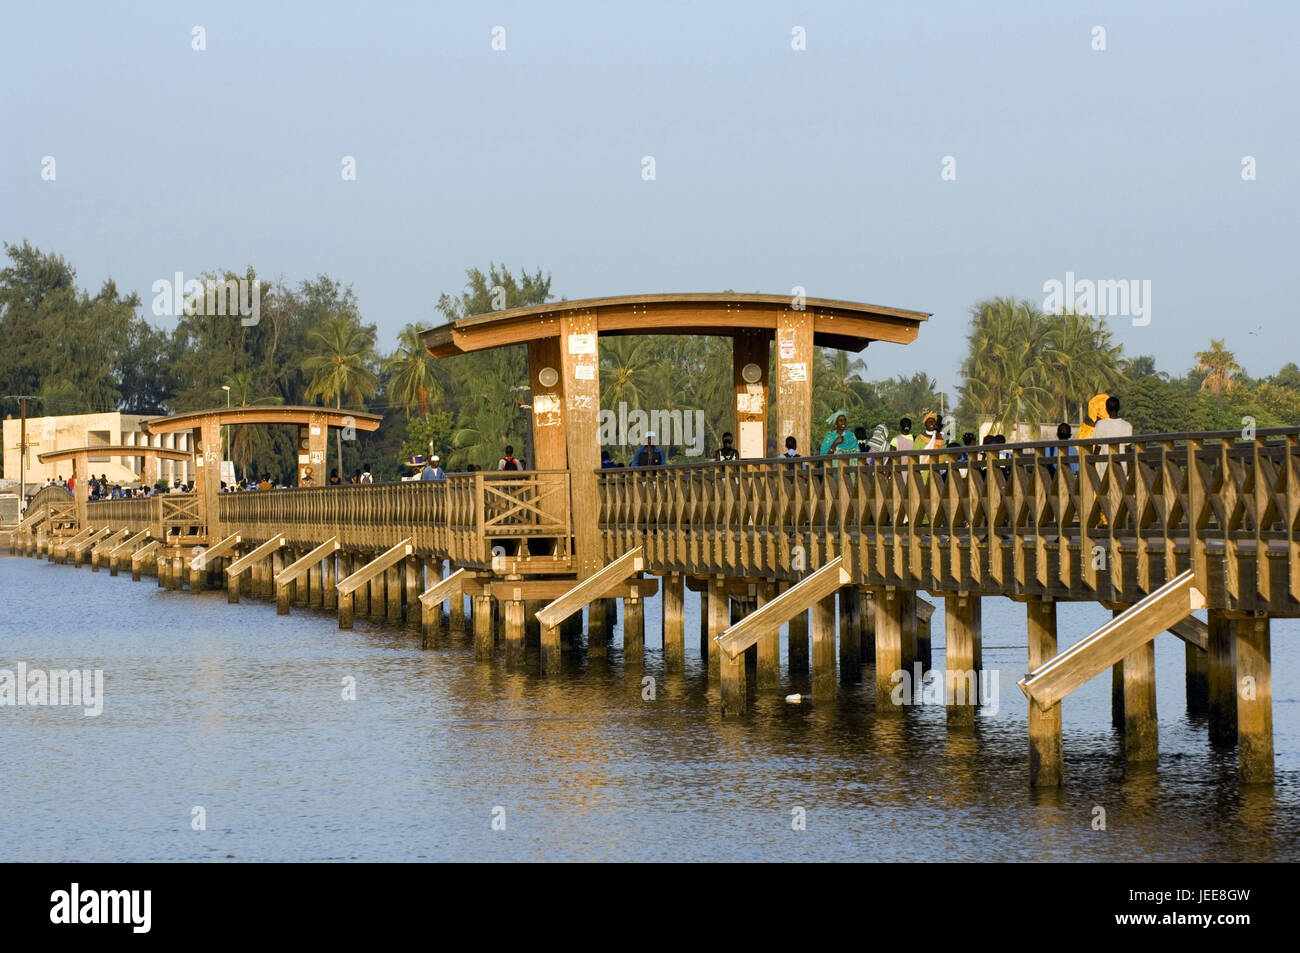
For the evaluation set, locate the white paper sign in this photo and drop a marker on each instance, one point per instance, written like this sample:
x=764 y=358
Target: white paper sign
x=584 y=372
x=796 y=372
x=582 y=344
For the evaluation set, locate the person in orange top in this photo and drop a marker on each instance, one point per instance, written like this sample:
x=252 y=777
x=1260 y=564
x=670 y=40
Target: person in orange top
x=1096 y=412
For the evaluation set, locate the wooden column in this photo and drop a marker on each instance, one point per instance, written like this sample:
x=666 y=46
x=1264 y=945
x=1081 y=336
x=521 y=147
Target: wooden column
x=769 y=646
x=923 y=652
x=329 y=582
x=580 y=383
x=1045 y=757
x=750 y=347
x=177 y=577
x=393 y=585
x=483 y=635
x=1141 y=738
x=674 y=623
x=206 y=441
x=345 y=607
x=362 y=594
x=455 y=611
x=704 y=625
x=1222 y=661
x=719 y=620
x=794 y=379
x=413 y=577
x=850 y=635
x=550 y=649
x=1254 y=700
x=889 y=606
x=514 y=619
x=301 y=585
x=867 y=616
x=907 y=633
x=962 y=619
x=797 y=637
x=822 y=630
x=598 y=629
x=315 y=584
x=633 y=630
x=1197 y=679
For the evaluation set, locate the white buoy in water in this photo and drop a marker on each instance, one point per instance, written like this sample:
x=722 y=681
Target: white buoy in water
x=797 y=698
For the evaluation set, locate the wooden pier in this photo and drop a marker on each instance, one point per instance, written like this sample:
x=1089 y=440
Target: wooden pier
x=837 y=550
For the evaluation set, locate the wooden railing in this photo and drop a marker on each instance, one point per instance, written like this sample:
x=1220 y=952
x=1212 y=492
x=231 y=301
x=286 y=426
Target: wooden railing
x=461 y=518
x=133 y=515
x=1107 y=522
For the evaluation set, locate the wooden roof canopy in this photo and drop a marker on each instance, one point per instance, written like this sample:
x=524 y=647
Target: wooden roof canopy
x=268 y=414
x=114 y=450
x=845 y=325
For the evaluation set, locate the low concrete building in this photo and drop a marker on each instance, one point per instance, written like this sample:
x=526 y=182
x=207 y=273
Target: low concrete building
x=87 y=430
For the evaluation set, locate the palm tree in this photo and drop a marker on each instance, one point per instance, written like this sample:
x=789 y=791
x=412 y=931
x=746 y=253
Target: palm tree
x=248 y=443
x=343 y=351
x=1083 y=359
x=1007 y=371
x=1219 y=365
x=838 y=383
x=413 y=383
x=627 y=368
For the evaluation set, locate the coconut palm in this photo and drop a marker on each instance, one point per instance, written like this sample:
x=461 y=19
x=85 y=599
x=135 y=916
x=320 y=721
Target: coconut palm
x=838 y=383
x=343 y=351
x=1219 y=366
x=413 y=383
x=1082 y=357
x=1007 y=372
x=627 y=369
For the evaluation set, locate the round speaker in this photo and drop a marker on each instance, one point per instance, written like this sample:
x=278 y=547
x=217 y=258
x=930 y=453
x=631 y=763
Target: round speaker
x=548 y=377
x=751 y=373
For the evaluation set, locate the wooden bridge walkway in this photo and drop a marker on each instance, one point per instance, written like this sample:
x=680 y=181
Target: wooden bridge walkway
x=1214 y=516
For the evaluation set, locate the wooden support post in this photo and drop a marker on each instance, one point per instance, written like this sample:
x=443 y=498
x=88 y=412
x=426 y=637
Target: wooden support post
x=907 y=632
x=598 y=628
x=514 y=619
x=1045 y=753
x=633 y=631
x=393 y=585
x=551 y=648
x=198 y=576
x=483 y=634
x=571 y=632
x=277 y=566
x=923 y=653
x=362 y=595
x=867 y=615
x=345 y=605
x=719 y=620
x=797 y=635
x=1197 y=679
x=889 y=606
x=1254 y=700
x=850 y=635
x=412 y=576
x=674 y=623
x=1141 y=737
x=732 y=674
x=532 y=627
x=822 y=630
x=1117 y=686
x=1222 y=679
x=456 y=615
x=378 y=596
x=283 y=597
x=329 y=579
x=769 y=646
x=704 y=625
x=315 y=585
x=177 y=576
x=962 y=620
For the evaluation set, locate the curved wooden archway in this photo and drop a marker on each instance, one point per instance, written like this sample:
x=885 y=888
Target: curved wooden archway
x=80 y=457
x=205 y=425
x=564 y=366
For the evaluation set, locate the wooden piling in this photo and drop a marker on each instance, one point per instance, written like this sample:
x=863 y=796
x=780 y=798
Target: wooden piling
x=598 y=629
x=822 y=631
x=316 y=585
x=962 y=618
x=413 y=579
x=1141 y=737
x=550 y=649
x=345 y=606
x=1197 y=679
x=674 y=622
x=719 y=621
x=514 y=623
x=362 y=594
x=483 y=631
x=329 y=582
x=867 y=617
x=393 y=593
x=1046 y=764
x=889 y=607
x=1254 y=690
x=633 y=631
x=768 y=674
x=850 y=635
x=1222 y=678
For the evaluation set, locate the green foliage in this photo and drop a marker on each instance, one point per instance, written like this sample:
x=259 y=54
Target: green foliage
x=428 y=435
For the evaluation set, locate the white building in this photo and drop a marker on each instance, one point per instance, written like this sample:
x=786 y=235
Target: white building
x=88 y=430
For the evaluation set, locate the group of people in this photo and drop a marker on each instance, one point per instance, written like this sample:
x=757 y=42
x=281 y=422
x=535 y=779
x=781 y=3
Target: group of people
x=101 y=488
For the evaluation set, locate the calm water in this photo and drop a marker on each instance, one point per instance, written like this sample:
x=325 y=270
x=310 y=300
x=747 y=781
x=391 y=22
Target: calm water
x=240 y=711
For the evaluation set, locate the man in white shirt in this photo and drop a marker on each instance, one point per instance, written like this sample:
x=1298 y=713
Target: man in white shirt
x=1112 y=425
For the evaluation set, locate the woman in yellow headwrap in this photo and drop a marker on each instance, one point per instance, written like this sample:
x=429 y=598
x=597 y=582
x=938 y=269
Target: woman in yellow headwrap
x=1096 y=412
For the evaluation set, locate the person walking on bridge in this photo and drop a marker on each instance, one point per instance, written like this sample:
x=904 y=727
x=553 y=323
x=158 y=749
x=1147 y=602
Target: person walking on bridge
x=649 y=455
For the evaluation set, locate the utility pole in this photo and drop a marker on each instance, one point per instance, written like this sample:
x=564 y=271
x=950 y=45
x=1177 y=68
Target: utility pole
x=22 y=448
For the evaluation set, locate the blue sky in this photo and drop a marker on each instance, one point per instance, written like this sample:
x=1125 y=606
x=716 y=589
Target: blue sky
x=774 y=167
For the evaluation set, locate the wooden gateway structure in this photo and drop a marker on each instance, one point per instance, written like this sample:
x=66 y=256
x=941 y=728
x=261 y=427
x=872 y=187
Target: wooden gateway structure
x=836 y=551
